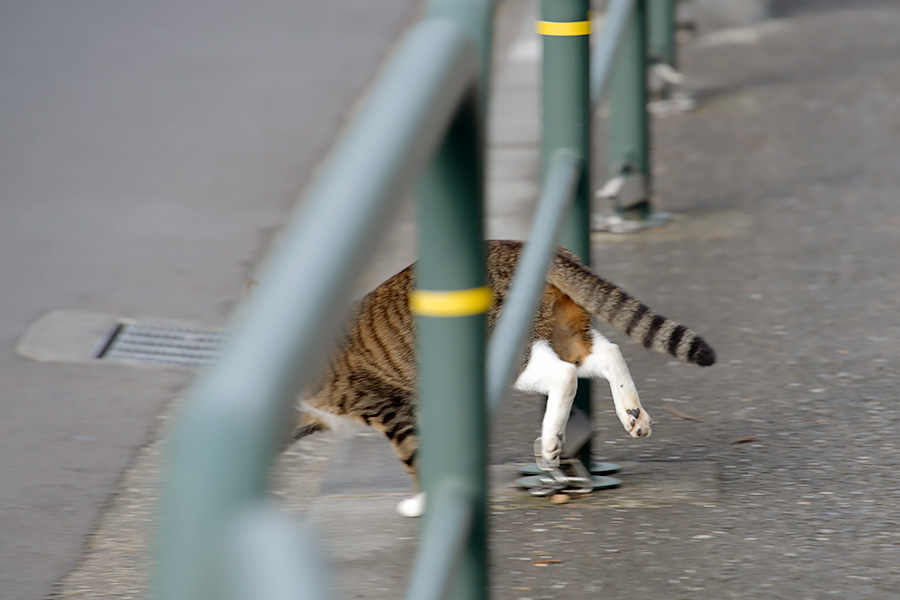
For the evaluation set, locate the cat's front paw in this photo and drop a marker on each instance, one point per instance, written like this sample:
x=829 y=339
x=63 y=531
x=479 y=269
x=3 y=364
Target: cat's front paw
x=551 y=448
x=638 y=422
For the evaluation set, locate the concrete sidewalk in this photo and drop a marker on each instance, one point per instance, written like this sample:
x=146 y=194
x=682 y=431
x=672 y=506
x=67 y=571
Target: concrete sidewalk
x=770 y=475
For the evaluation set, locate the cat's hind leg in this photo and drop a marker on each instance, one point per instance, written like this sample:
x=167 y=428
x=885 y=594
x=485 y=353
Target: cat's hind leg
x=546 y=373
x=605 y=360
x=396 y=419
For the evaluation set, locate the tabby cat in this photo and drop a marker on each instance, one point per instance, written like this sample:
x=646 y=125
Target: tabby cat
x=371 y=377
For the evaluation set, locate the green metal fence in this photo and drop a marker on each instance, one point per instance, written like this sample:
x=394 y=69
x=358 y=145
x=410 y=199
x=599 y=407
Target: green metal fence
x=220 y=535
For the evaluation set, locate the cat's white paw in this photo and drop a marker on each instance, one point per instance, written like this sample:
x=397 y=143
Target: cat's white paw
x=638 y=422
x=551 y=448
x=412 y=507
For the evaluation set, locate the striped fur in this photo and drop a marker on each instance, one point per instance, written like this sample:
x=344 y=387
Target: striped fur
x=371 y=378
x=610 y=303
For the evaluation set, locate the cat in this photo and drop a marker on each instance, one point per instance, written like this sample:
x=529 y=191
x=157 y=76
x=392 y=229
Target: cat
x=371 y=377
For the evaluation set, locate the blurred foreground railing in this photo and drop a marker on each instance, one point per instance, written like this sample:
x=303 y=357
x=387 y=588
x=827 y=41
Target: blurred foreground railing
x=220 y=536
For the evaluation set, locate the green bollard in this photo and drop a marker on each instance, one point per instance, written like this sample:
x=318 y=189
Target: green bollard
x=476 y=17
x=629 y=129
x=566 y=116
x=661 y=24
x=450 y=302
x=662 y=52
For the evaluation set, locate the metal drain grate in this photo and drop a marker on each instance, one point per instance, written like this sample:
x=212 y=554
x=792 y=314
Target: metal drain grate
x=140 y=343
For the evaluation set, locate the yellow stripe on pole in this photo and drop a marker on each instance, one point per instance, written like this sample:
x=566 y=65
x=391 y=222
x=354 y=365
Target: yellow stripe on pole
x=563 y=29
x=453 y=303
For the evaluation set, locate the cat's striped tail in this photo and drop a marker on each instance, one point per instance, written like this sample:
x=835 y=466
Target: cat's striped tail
x=610 y=303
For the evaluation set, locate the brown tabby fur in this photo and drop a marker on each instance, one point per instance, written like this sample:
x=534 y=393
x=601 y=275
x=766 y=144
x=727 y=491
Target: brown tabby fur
x=371 y=377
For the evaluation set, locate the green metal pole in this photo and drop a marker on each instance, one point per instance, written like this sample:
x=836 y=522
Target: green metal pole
x=453 y=418
x=629 y=129
x=661 y=24
x=451 y=341
x=566 y=116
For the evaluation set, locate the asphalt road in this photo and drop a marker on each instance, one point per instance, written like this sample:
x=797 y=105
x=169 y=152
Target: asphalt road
x=148 y=153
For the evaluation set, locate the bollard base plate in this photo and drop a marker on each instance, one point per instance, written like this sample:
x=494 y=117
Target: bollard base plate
x=597 y=482
x=596 y=468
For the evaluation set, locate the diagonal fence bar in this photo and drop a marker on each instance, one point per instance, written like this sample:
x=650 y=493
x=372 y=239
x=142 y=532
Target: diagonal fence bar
x=604 y=53
x=515 y=322
x=240 y=412
x=476 y=17
x=444 y=540
x=269 y=555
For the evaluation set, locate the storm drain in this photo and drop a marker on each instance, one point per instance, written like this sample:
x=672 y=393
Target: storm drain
x=140 y=343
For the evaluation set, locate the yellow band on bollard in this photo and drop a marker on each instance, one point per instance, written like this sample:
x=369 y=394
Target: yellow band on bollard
x=569 y=28
x=453 y=303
